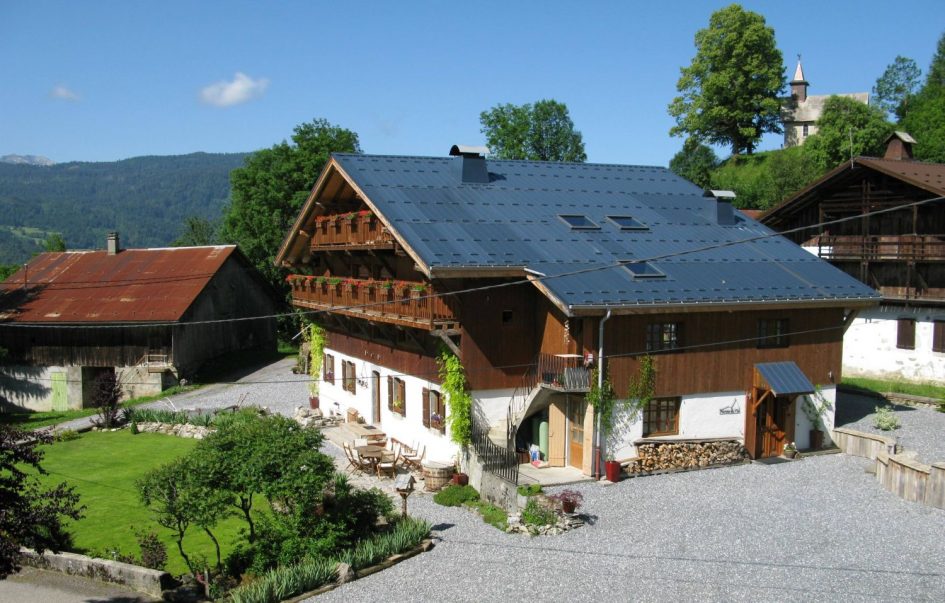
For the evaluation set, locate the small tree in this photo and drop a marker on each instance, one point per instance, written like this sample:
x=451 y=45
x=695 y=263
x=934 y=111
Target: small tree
x=847 y=128
x=897 y=84
x=695 y=163
x=30 y=516
x=107 y=399
x=602 y=398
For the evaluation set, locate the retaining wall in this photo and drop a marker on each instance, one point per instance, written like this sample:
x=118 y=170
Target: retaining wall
x=149 y=581
x=490 y=487
x=900 y=473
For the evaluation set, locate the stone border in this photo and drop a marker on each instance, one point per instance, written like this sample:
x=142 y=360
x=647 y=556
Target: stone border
x=900 y=473
x=142 y=579
x=425 y=545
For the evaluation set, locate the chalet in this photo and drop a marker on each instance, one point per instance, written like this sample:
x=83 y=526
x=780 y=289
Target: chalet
x=151 y=315
x=899 y=252
x=532 y=273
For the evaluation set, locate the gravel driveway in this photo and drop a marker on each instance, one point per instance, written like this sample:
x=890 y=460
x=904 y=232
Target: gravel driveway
x=815 y=530
x=922 y=430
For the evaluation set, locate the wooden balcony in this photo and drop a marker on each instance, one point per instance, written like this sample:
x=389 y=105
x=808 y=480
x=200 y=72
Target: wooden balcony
x=402 y=303
x=351 y=231
x=905 y=248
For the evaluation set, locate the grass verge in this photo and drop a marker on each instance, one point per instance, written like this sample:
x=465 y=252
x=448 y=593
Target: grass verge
x=103 y=467
x=928 y=390
x=35 y=420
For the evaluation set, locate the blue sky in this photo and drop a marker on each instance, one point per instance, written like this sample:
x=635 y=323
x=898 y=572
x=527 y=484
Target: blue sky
x=97 y=81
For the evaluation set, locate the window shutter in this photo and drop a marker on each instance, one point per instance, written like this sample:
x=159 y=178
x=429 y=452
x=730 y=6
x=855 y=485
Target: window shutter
x=426 y=407
x=938 y=336
x=906 y=337
x=390 y=393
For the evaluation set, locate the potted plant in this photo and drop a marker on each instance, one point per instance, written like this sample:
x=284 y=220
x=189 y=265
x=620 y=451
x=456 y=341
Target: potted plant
x=814 y=407
x=790 y=450
x=570 y=500
x=436 y=421
x=459 y=478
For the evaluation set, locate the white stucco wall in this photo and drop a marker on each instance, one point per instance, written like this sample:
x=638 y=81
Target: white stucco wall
x=869 y=346
x=493 y=403
x=408 y=428
x=700 y=416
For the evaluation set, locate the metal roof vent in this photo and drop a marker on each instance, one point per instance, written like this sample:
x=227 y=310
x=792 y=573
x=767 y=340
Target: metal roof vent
x=470 y=163
x=723 y=214
x=112 y=245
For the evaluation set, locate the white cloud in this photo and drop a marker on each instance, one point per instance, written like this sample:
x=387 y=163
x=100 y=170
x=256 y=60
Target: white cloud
x=63 y=93
x=226 y=94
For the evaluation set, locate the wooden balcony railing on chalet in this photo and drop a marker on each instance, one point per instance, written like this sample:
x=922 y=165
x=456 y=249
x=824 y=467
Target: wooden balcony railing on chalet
x=355 y=230
x=397 y=302
x=908 y=248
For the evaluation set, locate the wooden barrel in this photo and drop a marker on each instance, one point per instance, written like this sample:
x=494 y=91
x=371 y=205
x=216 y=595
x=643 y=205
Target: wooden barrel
x=436 y=475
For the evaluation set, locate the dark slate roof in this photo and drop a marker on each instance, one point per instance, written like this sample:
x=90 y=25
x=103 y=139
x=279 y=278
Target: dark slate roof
x=785 y=378
x=513 y=221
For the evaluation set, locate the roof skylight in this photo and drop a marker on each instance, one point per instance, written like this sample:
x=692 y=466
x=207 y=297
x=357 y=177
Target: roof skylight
x=579 y=222
x=627 y=223
x=644 y=270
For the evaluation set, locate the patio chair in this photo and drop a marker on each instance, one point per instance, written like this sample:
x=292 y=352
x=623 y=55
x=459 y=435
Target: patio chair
x=389 y=467
x=415 y=460
x=360 y=442
x=349 y=454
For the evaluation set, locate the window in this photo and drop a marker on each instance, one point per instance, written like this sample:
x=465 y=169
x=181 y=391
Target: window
x=661 y=417
x=804 y=131
x=328 y=372
x=773 y=333
x=396 y=395
x=579 y=222
x=349 y=376
x=905 y=338
x=627 y=223
x=663 y=336
x=938 y=336
x=643 y=269
x=507 y=316
x=434 y=410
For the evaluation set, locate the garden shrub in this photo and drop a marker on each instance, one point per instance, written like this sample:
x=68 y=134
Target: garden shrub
x=153 y=551
x=537 y=514
x=885 y=419
x=491 y=514
x=455 y=496
x=529 y=490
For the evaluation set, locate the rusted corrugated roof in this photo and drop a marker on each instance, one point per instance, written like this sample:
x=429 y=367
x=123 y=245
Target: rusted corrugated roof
x=134 y=285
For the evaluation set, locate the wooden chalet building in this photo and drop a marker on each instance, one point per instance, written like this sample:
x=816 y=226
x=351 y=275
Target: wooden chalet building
x=901 y=253
x=152 y=316
x=526 y=269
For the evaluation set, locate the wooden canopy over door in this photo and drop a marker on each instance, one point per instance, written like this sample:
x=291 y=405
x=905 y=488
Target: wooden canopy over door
x=772 y=405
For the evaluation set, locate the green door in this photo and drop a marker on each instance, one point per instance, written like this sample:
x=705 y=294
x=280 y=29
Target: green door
x=59 y=398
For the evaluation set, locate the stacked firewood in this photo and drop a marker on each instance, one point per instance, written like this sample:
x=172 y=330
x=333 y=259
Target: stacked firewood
x=686 y=455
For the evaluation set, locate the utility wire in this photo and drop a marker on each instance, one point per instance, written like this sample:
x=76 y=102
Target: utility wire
x=534 y=278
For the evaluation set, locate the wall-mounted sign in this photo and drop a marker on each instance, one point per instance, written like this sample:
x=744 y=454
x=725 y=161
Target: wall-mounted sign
x=734 y=409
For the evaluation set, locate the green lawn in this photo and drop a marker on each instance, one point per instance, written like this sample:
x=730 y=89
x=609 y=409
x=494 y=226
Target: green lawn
x=103 y=467
x=929 y=390
x=35 y=420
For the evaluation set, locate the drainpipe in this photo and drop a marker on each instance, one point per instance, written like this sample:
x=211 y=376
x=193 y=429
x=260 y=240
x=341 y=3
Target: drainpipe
x=600 y=386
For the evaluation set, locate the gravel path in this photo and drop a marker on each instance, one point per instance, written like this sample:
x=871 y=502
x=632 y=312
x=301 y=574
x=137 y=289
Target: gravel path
x=815 y=530
x=922 y=430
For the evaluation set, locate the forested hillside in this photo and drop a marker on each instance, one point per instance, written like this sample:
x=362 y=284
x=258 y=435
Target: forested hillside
x=145 y=199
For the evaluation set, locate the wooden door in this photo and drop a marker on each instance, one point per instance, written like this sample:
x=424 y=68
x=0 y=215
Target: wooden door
x=557 y=432
x=376 y=392
x=60 y=400
x=577 y=408
x=775 y=419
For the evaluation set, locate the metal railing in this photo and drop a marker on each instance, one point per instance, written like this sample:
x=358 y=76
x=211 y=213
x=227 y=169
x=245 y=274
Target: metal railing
x=564 y=373
x=360 y=228
x=413 y=302
x=499 y=461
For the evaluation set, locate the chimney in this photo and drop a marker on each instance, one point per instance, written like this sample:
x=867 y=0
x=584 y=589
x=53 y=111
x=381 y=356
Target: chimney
x=724 y=213
x=799 y=84
x=470 y=164
x=899 y=147
x=111 y=243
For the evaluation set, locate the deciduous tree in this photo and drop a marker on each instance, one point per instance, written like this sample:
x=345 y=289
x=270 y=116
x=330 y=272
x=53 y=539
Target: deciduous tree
x=30 y=516
x=729 y=93
x=695 y=163
x=847 y=128
x=540 y=132
x=899 y=82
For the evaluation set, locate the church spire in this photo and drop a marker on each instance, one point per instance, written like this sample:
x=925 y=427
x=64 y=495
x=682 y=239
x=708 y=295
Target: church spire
x=799 y=84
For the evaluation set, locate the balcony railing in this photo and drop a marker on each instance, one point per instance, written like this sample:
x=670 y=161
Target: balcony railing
x=359 y=229
x=399 y=302
x=910 y=248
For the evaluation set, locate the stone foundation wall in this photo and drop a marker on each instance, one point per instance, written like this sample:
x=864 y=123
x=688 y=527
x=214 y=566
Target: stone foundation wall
x=659 y=456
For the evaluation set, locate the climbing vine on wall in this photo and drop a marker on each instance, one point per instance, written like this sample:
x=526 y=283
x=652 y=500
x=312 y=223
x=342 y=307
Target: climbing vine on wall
x=603 y=400
x=642 y=387
x=459 y=402
x=315 y=335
